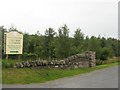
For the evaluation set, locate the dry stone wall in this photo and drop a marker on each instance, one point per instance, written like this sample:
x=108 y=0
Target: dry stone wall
x=83 y=60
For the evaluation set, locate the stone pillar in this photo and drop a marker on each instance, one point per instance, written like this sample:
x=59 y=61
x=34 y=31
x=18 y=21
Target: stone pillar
x=91 y=57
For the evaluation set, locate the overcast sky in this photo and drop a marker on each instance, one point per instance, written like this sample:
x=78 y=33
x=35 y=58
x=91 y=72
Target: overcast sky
x=94 y=17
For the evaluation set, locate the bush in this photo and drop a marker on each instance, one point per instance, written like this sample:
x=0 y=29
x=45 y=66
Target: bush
x=6 y=64
x=29 y=56
x=99 y=62
x=105 y=53
x=108 y=61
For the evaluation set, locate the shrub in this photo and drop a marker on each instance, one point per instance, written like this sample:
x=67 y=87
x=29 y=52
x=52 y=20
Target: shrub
x=99 y=62
x=105 y=53
x=108 y=61
x=6 y=64
x=29 y=56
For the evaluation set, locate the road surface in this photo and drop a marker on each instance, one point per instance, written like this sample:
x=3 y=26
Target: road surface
x=104 y=78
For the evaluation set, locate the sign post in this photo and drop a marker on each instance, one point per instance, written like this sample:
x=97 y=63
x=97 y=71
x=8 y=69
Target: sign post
x=13 y=43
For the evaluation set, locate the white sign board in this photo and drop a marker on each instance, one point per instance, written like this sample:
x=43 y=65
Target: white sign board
x=13 y=42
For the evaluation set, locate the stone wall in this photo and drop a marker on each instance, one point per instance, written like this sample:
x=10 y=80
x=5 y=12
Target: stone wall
x=83 y=60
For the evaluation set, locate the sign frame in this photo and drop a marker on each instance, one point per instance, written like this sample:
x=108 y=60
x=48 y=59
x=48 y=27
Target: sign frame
x=13 y=42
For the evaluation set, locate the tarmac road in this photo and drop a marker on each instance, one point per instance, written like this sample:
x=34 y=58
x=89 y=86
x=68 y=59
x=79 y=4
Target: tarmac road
x=104 y=78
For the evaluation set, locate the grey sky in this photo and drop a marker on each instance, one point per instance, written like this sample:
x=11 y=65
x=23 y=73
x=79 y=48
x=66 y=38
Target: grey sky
x=94 y=17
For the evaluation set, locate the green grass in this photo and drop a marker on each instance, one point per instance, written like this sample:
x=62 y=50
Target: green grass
x=9 y=63
x=26 y=75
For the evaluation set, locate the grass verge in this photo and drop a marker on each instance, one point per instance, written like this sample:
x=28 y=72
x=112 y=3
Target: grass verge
x=26 y=75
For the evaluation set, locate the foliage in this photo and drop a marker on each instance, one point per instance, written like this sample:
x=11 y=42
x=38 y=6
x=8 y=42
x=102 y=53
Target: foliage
x=30 y=56
x=63 y=43
x=78 y=37
x=109 y=61
x=48 y=44
x=60 y=45
x=6 y=64
x=105 y=53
